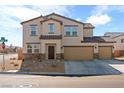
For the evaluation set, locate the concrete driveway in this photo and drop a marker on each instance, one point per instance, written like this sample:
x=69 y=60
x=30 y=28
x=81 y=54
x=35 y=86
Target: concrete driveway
x=82 y=68
x=96 y=67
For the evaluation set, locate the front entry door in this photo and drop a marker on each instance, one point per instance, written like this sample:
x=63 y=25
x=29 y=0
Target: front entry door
x=51 y=52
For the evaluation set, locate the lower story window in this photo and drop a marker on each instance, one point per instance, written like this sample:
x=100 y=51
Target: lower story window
x=29 y=50
x=36 y=50
x=33 y=48
x=122 y=40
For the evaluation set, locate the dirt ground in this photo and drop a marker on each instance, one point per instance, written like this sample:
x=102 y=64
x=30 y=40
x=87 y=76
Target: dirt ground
x=11 y=65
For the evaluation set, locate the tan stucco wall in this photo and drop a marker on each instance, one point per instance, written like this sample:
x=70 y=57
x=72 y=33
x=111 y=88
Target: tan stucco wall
x=118 y=45
x=88 y=32
x=46 y=42
x=69 y=22
x=58 y=30
x=26 y=33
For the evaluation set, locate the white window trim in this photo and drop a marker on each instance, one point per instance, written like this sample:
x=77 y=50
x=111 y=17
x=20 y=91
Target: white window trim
x=51 y=32
x=33 y=48
x=31 y=30
x=71 y=32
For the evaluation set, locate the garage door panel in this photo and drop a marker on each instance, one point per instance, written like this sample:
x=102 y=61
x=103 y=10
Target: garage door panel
x=78 y=53
x=105 y=52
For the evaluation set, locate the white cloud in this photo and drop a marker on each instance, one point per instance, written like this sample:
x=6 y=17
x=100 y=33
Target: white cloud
x=25 y=13
x=100 y=9
x=79 y=19
x=12 y=15
x=99 y=16
x=99 y=19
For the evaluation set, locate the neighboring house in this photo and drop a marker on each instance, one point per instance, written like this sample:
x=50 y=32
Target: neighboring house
x=9 y=49
x=118 y=38
x=5 y=50
x=57 y=37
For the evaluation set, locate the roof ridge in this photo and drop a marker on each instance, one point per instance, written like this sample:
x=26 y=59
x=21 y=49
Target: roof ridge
x=118 y=35
x=57 y=15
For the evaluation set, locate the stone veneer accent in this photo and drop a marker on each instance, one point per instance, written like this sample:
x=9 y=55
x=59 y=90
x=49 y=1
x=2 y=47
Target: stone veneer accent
x=33 y=56
x=112 y=55
x=96 y=56
x=122 y=52
x=59 y=56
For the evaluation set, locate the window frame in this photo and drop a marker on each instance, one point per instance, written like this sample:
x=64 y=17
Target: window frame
x=36 y=48
x=29 y=48
x=51 y=28
x=70 y=28
x=32 y=30
x=122 y=40
x=33 y=48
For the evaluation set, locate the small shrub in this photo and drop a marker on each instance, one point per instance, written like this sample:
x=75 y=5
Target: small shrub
x=16 y=65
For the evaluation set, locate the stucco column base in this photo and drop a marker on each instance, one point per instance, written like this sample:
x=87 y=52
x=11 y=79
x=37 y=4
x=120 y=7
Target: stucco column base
x=59 y=56
x=42 y=56
x=122 y=52
x=96 y=56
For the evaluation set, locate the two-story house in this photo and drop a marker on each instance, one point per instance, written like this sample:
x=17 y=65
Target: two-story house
x=58 y=37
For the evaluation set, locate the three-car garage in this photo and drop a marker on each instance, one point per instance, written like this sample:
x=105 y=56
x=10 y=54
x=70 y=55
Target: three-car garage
x=86 y=52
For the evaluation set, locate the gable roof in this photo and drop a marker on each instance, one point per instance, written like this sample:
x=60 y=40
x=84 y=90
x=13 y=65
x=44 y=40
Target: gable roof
x=64 y=17
x=118 y=36
x=31 y=19
x=114 y=34
x=59 y=16
x=47 y=19
x=88 y=25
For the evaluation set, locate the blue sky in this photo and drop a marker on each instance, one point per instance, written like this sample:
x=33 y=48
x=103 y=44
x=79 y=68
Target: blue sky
x=104 y=18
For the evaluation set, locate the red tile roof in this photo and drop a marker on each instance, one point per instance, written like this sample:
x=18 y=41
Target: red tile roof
x=50 y=37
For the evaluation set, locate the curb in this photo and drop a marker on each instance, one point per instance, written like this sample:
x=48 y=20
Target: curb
x=55 y=74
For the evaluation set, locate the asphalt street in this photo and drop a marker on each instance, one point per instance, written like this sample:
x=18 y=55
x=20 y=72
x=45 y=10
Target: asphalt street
x=37 y=81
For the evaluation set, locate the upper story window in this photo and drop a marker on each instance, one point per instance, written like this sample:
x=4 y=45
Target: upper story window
x=70 y=30
x=122 y=40
x=33 y=29
x=51 y=27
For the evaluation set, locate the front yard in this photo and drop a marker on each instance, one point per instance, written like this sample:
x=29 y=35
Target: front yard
x=95 y=67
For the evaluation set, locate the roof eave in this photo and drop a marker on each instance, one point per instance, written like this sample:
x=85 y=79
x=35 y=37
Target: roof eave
x=30 y=19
